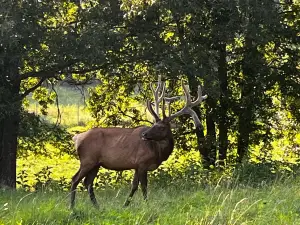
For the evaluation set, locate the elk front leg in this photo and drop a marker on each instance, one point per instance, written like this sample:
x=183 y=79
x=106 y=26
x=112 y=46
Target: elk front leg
x=135 y=184
x=144 y=181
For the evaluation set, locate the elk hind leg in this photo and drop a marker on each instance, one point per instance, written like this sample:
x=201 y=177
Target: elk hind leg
x=73 y=188
x=80 y=174
x=134 y=187
x=88 y=183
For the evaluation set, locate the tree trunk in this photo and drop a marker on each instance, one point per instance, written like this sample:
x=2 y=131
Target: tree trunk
x=9 y=127
x=244 y=130
x=8 y=150
x=246 y=103
x=223 y=119
x=203 y=148
x=210 y=142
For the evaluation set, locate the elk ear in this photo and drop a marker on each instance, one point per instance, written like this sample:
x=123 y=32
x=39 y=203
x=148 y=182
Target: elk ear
x=150 y=109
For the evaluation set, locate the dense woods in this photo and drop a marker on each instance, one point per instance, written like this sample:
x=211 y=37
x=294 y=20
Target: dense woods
x=245 y=55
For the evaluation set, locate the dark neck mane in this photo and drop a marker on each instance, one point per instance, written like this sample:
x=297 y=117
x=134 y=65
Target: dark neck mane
x=163 y=148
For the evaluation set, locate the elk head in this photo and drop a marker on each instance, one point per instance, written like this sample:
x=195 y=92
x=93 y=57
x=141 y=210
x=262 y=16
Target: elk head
x=161 y=129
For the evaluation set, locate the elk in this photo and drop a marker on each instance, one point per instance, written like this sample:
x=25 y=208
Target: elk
x=142 y=148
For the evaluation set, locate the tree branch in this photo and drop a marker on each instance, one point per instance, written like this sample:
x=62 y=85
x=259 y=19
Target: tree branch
x=132 y=117
x=58 y=119
x=289 y=11
x=29 y=90
x=62 y=25
x=48 y=73
x=83 y=71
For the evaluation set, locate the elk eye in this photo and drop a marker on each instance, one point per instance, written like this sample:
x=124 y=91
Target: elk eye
x=161 y=128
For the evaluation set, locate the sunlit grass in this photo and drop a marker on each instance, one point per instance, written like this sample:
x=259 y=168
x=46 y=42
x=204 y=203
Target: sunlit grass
x=278 y=203
x=59 y=166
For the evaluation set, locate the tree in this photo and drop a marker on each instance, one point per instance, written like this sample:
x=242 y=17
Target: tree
x=42 y=42
x=259 y=74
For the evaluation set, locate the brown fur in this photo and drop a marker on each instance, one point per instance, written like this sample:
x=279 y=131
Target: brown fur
x=121 y=149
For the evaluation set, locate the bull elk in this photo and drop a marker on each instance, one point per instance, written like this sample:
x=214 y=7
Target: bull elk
x=142 y=148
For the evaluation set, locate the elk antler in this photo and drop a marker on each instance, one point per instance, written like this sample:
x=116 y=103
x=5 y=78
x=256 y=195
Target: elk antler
x=158 y=98
x=189 y=104
x=150 y=109
x=169 y=101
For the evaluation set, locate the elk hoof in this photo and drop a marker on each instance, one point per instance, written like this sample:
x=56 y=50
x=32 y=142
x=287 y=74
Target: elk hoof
x=96 y=206
x=126 y=204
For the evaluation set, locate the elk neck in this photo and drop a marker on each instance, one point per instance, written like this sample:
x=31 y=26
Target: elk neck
x=162 y=148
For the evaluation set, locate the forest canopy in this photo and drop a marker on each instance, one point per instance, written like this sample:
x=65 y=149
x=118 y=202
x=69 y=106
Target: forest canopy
x=245 y=55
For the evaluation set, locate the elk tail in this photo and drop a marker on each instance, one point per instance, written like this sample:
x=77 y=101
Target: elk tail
x=74 y=151
x=75 y=137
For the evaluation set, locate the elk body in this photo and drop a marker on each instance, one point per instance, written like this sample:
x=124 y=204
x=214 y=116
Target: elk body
x=142 y=148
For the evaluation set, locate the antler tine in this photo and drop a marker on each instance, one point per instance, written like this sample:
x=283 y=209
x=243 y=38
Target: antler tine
x=195 y=118
x=187 y=109
x=186 y=90
x=200 y=98
x=163 y=84
x=169 y=100
x=150 y=109
x=172 y=99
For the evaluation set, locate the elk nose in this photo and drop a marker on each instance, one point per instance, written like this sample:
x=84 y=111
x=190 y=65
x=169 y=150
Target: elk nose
x=144 y=134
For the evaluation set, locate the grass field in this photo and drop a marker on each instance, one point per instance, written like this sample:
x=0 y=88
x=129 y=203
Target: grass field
x=277 y=203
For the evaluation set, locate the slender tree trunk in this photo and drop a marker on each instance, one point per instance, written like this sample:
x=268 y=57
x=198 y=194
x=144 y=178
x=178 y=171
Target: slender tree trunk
x=247 y=97
x=210 y=142
x=10 y=105
x=244 y=130
x=204 y=148
x=9 y=127
x=223 y=119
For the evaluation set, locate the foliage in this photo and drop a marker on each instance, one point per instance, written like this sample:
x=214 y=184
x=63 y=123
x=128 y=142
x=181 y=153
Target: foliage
x=42 y=42
x=245 y=53
x=35 y=133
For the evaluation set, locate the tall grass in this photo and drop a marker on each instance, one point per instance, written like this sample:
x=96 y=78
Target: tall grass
x=184 y=203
